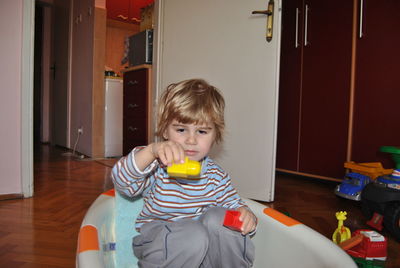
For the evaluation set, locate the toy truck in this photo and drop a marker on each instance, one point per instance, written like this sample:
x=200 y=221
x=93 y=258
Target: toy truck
x=352 y=186
x=361 y=174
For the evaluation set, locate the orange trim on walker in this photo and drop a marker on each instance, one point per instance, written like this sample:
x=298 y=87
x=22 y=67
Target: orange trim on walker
x=282 y=218
x=110 y=192
x=88 y=239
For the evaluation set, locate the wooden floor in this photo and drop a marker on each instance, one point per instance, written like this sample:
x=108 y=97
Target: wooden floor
x=42 y=231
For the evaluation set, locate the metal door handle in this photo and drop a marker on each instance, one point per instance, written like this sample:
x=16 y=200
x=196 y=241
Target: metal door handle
x=270 y=19
x=361 y=22
x=122 y=17
x=135 y=82
x=133 y=129
x=306 y=26
x=296 y=37
x=130 y=105
x=264 y=12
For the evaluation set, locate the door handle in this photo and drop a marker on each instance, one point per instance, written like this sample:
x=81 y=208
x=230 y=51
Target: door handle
x=130 y=105
x=134 y=82
x=270 y=19
x=361 y=22
x=306 y=26
x=122 y=17
x=296 y=37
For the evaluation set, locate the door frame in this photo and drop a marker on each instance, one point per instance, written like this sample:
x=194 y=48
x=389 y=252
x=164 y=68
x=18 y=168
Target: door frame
x=27 y=101
x=27 y=67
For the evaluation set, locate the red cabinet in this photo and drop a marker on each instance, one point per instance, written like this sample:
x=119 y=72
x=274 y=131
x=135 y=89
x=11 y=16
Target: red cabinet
x=377 y=86
x=339 y=85
x=126 y=10
x=314 y=87
x=290 y=86
x=118 y=10
x=135 y=109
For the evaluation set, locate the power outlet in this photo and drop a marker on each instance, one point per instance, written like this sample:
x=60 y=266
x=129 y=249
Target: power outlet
x=80 y=130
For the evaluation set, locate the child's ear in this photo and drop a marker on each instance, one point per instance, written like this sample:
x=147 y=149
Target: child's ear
x=165 y=136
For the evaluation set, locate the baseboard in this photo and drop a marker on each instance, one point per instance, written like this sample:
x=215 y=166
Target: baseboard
x=309 y=175
x=10 y=196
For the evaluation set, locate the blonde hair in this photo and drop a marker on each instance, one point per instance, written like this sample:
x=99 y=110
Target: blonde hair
x=192 y=101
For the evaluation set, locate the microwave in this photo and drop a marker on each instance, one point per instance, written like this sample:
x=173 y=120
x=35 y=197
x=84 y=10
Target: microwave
x=141 y=48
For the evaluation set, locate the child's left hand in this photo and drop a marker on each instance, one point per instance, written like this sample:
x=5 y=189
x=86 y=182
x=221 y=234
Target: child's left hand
x=248 y=219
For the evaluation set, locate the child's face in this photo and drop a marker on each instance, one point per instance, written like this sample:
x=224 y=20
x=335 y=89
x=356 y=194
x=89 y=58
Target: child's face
x=196 y=140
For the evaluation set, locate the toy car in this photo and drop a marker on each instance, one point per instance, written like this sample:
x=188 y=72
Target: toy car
x=352 y=186
x=383 y=198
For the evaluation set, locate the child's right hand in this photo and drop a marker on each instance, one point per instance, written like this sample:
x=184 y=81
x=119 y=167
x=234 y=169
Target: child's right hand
x=168 y=152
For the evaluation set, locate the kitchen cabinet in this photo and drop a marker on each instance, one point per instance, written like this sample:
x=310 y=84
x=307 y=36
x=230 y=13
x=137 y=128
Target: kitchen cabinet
x=126 y=10
x=315 y=79
x=118 y=10
x=377 y=82
x=136 y=107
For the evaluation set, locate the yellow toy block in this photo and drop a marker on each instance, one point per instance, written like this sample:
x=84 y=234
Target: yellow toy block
x=190 y=169
x=372 y=170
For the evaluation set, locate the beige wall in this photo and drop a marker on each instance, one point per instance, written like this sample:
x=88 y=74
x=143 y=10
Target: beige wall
x=100 y=3
x=10 y=101
x=115 y=43
x=87 y=78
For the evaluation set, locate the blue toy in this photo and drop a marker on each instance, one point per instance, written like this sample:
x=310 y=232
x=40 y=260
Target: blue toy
x=352 y=186
x=391 y=181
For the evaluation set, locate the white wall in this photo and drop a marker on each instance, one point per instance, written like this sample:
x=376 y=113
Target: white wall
x=10 y=100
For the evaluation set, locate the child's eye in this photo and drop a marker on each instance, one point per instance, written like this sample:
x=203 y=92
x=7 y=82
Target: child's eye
x=203 y=132
x=180 y=130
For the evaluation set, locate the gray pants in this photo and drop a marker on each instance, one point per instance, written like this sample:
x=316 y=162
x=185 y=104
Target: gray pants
x=190 y=243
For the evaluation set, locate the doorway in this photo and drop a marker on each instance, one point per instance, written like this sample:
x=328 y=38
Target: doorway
x=51 y=73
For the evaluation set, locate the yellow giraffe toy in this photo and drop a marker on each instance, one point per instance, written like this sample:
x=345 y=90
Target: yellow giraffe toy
x=341 y=233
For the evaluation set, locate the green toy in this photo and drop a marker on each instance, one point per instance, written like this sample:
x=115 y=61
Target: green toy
x=395 y=151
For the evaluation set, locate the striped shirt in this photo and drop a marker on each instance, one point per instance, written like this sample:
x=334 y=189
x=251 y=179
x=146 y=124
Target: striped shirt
x=171 y=199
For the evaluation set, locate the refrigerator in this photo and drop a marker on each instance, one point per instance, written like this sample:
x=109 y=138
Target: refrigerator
x=113 y=117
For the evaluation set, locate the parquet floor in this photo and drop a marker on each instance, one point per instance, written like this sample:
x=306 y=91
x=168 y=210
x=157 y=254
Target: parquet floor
x=42 y=231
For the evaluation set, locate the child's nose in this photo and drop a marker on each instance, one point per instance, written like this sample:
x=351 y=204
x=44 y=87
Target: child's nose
x=191 y=139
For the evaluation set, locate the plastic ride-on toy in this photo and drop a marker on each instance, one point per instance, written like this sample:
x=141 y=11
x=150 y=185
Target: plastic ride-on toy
x=380 y=201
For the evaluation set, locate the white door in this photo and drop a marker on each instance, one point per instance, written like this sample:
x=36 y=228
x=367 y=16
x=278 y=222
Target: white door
x=223 y=43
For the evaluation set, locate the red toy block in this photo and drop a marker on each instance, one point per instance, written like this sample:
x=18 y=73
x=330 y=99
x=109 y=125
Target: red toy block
x=232 y=221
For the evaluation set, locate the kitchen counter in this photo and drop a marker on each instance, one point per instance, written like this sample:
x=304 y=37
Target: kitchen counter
x=142 y=66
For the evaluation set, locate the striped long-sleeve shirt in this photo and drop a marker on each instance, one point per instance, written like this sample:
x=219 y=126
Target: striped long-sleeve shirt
x=171 y=199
